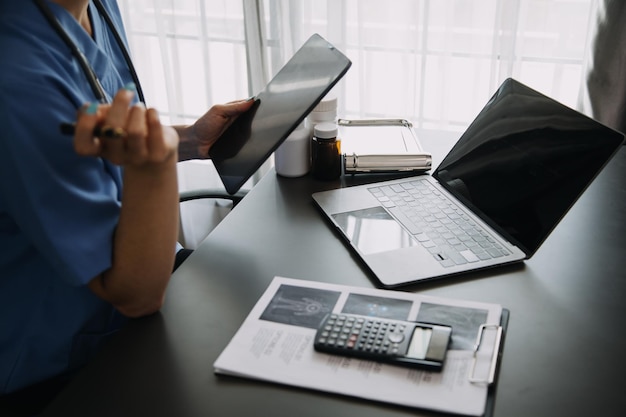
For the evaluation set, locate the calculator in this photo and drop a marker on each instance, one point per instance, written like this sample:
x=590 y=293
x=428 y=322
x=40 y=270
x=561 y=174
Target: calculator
x=398 y=342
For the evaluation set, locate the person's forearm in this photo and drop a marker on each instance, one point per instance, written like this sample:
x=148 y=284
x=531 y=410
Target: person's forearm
x=144 y=242
x=187 y=146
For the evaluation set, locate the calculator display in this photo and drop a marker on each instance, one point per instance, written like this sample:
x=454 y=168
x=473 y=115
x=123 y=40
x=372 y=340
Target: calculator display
x=419 y=343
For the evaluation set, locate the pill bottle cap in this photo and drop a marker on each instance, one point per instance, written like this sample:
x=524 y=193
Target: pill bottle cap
x=325 y=130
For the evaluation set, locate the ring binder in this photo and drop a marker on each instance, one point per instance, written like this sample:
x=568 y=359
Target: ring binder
x=381 y=145
x=494 y=355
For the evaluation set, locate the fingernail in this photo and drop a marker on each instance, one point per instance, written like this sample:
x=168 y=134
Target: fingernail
x=130 y=87
x=91 y=109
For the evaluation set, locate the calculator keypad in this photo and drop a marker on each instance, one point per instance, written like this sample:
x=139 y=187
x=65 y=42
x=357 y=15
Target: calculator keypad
x=341 y=332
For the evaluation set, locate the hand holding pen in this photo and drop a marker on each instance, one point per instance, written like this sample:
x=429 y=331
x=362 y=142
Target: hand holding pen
x=99 y=131
x=123 y=133
x=105 y=133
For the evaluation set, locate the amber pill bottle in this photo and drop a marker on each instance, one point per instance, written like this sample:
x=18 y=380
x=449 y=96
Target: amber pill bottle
x=326 y=152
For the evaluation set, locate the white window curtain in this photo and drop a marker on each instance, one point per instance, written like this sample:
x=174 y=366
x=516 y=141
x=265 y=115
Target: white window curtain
x=434 y=62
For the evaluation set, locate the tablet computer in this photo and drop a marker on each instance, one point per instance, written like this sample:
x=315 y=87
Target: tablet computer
x=284 y=103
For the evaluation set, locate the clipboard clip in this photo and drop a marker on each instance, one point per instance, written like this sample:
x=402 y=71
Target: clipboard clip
x=494 y=355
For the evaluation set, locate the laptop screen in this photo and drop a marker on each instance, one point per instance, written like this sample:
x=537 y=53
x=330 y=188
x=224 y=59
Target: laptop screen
x=524 y=161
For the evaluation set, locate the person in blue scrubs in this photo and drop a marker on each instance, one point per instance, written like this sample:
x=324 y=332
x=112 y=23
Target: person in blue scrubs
x=88 y=225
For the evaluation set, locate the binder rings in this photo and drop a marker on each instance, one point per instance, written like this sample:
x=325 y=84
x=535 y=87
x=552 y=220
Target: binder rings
x=381 y=145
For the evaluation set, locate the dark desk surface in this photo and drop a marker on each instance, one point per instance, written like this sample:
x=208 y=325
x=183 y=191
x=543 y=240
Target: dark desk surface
x=562 y=354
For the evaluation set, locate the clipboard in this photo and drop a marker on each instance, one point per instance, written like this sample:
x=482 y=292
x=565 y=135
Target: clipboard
x=287 y=332
x=381 y=146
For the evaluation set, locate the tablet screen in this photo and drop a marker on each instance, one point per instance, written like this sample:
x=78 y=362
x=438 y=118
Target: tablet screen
x=284 y=103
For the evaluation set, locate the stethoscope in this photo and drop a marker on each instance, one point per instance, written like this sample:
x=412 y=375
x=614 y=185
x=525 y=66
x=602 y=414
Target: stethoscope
x=92 y=78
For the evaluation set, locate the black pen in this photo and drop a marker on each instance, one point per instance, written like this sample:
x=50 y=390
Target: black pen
x=99 y=131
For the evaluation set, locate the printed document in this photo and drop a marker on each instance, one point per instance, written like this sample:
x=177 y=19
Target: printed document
x=275 y=343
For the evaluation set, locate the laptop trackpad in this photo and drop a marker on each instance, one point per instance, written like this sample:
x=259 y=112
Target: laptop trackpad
x=373 y=230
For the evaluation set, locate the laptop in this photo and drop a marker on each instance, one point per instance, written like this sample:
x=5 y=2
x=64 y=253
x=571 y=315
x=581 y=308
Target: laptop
x=284 y=103
x=493 y=200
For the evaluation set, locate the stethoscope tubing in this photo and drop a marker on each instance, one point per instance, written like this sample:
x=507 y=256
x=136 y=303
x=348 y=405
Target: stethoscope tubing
x=89 y=72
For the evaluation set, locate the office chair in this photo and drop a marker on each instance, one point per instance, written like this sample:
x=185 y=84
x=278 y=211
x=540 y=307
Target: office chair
x=212 y=193
x=216 y=216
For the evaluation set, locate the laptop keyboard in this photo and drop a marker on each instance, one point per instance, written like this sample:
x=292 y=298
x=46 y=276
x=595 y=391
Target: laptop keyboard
x=437 y=223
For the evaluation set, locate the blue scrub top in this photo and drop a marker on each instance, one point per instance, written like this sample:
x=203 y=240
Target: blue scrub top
x=58 y=210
